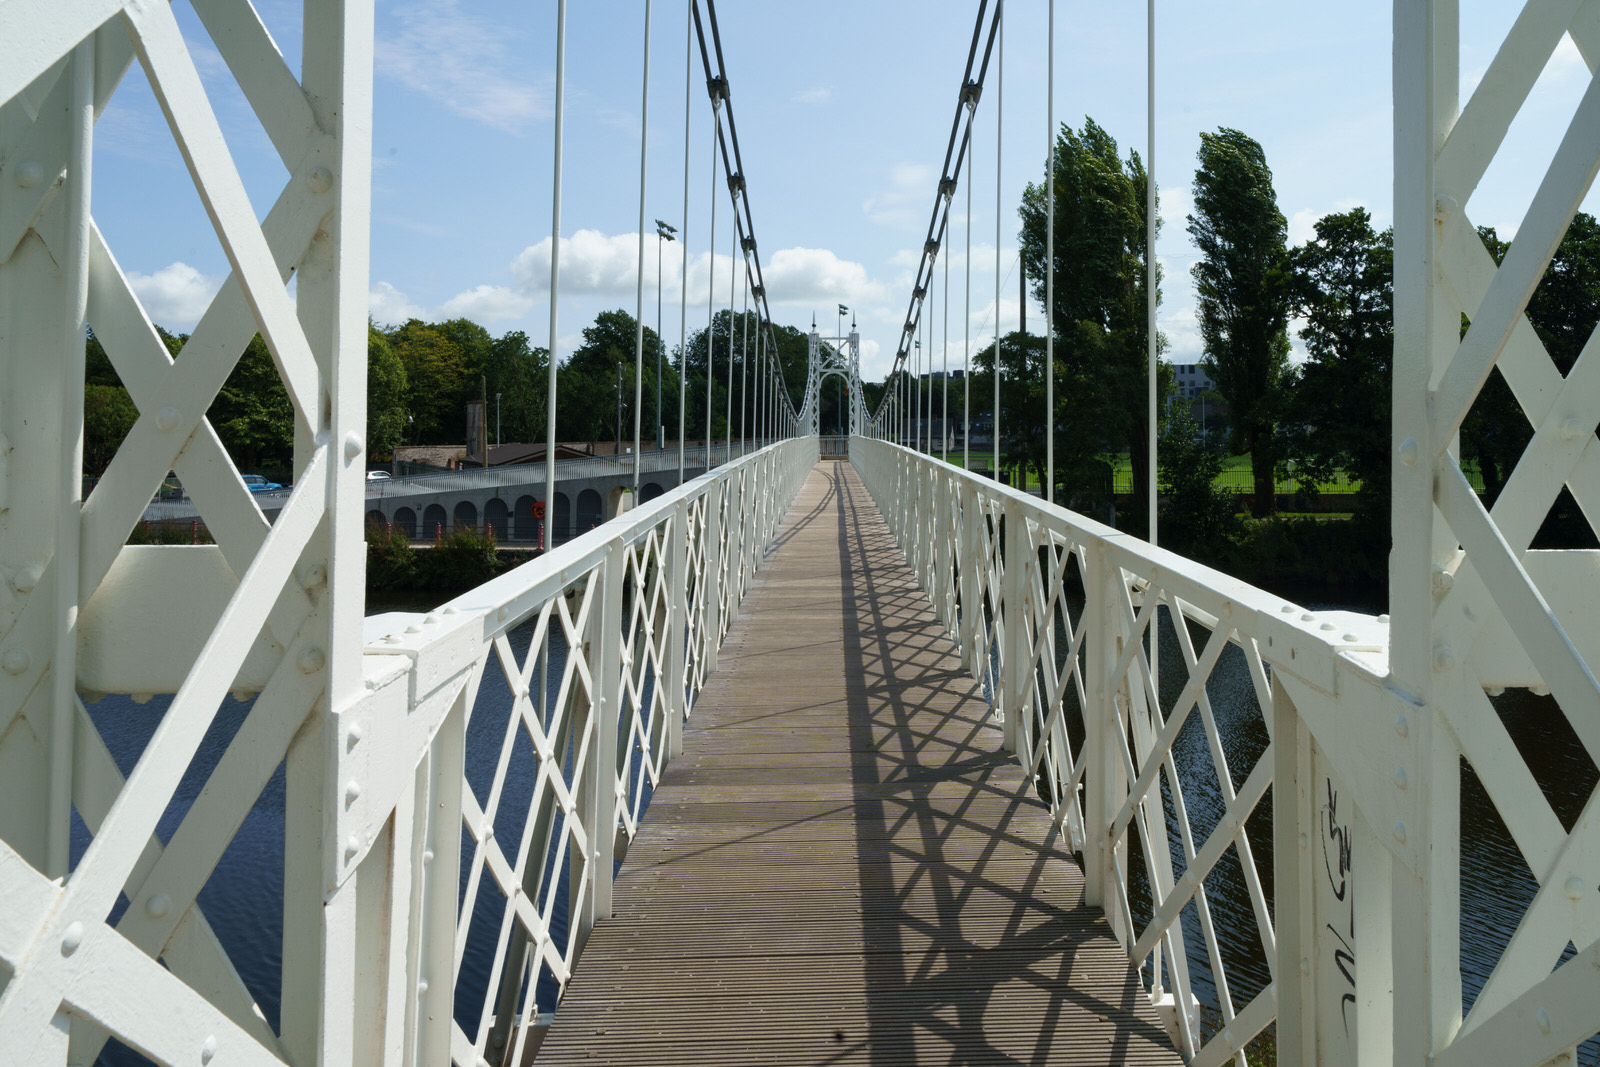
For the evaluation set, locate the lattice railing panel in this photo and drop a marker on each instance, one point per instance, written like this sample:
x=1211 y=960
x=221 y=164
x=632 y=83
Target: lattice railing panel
x=588 y=660
x=1484 y=612
x=1156 y=767
x=263 y=613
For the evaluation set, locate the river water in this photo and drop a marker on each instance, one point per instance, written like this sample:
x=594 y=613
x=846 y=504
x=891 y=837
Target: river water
x=244 y=896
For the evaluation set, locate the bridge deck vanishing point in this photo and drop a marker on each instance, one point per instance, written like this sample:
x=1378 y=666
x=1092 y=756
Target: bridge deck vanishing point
x=844 y=866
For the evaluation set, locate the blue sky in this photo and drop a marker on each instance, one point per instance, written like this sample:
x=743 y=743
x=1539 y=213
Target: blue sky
x=843 y=112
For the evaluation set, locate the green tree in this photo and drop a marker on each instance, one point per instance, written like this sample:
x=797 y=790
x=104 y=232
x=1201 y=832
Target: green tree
x=108 y=415
x=1102 y=339
x=1242 y=285
x=252 y=414
x=1337 y=417
x=386 y=394
x=1197 y=518
x=437 y=377
x=518 y=371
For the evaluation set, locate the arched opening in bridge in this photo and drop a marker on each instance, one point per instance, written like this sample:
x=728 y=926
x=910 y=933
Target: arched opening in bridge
x=561 y=518
x=405 y=520
x=497 y=517
x=524 y=527
x=434 y=520
x=376 y=518
x=649 y=491
x=590 y=513
x=466 y=515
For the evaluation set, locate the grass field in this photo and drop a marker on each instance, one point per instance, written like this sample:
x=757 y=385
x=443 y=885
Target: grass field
x=1236 y=477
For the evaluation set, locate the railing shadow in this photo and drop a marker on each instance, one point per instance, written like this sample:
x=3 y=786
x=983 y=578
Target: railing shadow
x=937 y=803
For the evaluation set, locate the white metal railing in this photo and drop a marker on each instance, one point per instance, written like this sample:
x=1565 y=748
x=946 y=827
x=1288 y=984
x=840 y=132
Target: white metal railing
x=575 y=673
x=1165 y=800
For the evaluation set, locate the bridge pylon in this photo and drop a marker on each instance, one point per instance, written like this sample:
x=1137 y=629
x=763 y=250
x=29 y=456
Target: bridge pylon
x=832 y=357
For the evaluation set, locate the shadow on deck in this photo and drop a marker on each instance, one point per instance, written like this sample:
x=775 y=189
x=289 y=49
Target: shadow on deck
x=844 y=867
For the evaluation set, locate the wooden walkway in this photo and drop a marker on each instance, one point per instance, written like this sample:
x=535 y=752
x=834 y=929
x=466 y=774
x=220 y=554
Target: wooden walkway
x=844 y=867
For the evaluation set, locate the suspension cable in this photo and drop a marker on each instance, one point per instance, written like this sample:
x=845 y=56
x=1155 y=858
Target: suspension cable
x=711 y=275
x=555 y=279
x=683 y=246
x=999 y=130
x=718 y=88
x=1050 y=262
x=966 y=330
x=638 y=345
x=1150 y=256
x=957 y=150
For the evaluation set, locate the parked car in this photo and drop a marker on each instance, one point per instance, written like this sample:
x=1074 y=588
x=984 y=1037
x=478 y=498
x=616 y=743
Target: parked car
x=258 y=484
x=377 y=476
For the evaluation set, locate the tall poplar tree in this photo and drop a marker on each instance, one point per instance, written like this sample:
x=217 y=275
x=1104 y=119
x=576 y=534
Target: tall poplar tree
x=1243 y=287
x=1102 y=340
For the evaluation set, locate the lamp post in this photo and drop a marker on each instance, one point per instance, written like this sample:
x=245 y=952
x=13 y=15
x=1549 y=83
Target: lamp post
x=497 y=441
x=663 y=233
x=843 y=311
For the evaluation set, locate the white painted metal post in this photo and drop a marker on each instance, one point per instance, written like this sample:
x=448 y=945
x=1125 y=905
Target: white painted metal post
x=1015 y=670
x=674 y=679
x=1424 y=958
x=1103 y=776
x=600 y=771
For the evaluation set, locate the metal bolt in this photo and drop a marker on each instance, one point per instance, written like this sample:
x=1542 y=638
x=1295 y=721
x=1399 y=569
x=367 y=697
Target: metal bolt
x=157 y=905
x=352 y=845
x=1399 y=831
x=319 y=179
x=16 y=660
x=1574 y=888
x=1400 y=780
x=1572 y=429
x=1444 y=206
x=312 y=660
x=427 y=856
x=71 y=938
x=167 y=419
x=1409 y=452
x=1401 y=727
x=1443 y=658
x=208 y=1048
x=26 y=578
x=353 y=445
x=1443 y=580
x=29 y=173
x=352 y=736
x=422 y=986
x=1542 y=1018
x=1305 y=965
x=352 y=791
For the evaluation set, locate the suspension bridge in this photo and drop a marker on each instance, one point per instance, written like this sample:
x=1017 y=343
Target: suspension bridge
x=850 y=759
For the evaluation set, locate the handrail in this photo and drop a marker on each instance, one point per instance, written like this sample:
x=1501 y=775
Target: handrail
x=1098 y=725
x=578 y=669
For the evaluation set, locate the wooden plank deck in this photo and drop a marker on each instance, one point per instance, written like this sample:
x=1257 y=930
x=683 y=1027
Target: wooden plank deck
x=844 y=867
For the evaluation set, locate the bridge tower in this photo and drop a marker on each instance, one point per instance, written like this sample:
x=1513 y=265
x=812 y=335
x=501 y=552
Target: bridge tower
x=263 y=628
x=832 y=357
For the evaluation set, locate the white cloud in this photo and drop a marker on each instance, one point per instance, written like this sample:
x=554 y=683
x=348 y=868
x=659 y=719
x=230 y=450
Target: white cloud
x=176 y=295
x=908 y=200
x=591 y=262
x=388 y=306
x=820 y=94
x=458 y=60
x=488 y=304
x=813 y=275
